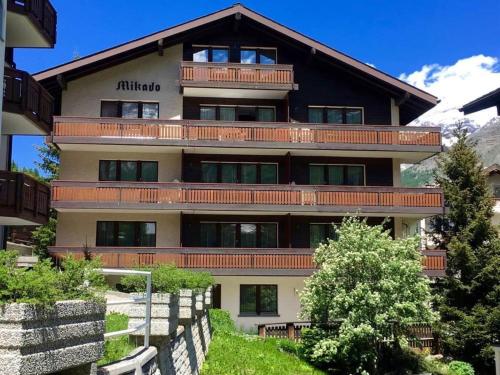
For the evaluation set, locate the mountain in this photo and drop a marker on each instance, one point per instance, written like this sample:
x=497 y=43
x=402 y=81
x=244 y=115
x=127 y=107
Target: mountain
x=487 y=144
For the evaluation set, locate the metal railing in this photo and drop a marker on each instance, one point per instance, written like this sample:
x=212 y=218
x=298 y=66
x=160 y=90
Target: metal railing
x=146 y=325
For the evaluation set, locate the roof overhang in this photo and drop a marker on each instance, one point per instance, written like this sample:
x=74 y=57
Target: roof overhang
x=491 y=99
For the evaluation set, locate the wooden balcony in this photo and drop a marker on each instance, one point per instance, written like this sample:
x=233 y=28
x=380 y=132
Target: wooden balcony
x=27 y=106
x=223 y=261
x=376 y=200
x=403 y=141
x=31 y=23
x=199 y=75
x=23 y=200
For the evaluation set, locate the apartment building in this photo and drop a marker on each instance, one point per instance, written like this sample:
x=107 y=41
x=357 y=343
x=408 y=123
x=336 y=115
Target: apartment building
x=231 y=143
x=27 y=109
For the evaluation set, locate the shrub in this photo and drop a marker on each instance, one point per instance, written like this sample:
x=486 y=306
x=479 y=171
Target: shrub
x=118 y=347
x=366 y=281
x=167 y=278
x=460 y=368
x=221 y=321
x=44 y=284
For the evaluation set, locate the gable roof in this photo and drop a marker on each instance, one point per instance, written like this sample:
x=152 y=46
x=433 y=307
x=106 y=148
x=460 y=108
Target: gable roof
x=117 y=52
x=492 y=169
x=488 y=100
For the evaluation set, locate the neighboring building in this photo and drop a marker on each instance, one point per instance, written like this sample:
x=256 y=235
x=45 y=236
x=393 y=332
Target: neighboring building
x=231 y=143
x=493 y=173
x=27 y=109
x=491 y=99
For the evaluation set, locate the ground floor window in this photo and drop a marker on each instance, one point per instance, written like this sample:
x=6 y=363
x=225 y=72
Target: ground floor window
x=126 y=233
x=258 y=299
x=319 y=233
x=251 y=235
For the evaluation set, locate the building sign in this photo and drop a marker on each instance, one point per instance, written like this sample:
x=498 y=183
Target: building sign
x=137 y=86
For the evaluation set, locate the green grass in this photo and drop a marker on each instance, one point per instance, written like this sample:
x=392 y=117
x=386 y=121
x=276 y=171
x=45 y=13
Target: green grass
x=235 y=353
x=119 y=347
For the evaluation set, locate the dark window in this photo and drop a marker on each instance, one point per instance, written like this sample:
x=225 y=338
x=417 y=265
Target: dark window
x=496 y=191
x=237 y=113
x=129 y=109
x=333 y=174
x=127 y=170
x=335 y=115
x=258 y=56
x=245 y=173
x=126 y=233
x=246 y=235
x=258 y=299
x=211 y=54
x=319 y=233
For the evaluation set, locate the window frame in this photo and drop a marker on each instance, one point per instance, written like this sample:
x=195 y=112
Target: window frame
x=239 y=171
x=139 y=171
x=116 y=225
x=236 y=107
x=140 y=104
x=316 y=223
x=344 y=114
x=325 y=171
x=258 y=53
x=258 y=299
x=258 y=239
x=495 y=188
x=210 y=49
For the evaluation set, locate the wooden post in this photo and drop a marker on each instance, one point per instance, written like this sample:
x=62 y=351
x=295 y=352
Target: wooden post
x=262 y=330
x=290 y=331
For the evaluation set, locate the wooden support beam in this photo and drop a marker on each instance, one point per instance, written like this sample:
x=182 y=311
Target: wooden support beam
x=61 y=82
x=403 y=99
x=160 y=47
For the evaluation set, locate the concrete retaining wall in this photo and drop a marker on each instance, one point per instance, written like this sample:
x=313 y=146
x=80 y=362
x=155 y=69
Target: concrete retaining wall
x=44 y=341
x=180 y=335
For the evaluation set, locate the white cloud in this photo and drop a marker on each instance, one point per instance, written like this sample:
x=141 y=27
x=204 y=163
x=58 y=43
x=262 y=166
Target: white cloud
x=456 y=85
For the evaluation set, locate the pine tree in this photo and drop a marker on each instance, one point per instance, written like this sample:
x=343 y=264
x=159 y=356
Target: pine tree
x=45 y=235
x=468 y=297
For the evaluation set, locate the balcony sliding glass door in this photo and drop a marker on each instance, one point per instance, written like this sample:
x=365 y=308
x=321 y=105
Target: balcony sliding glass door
x=245 y=235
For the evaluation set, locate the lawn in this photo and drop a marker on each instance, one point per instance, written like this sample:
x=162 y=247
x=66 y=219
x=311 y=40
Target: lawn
x=235 y=353
x=118 y=347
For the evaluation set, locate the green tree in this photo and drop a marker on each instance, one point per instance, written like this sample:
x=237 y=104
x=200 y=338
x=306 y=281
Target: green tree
x=33 y=172
x=367 y=282
x=468 y=298
x=45 y=235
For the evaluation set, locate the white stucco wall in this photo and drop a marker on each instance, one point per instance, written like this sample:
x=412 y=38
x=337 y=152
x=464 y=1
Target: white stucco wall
x=84 y=165
x=288 y=298
x=83 y=96
x=79 y=229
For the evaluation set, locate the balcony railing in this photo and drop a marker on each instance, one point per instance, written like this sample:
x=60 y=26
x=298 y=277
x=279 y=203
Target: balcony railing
x=222 y=260
x=25 y=96
x=234 y=75
x=242 y=196
x=40 y=12
x=202 y=133
x=23 y=199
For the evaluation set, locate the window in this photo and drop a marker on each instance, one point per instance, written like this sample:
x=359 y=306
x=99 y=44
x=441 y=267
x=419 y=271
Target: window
x=127 y=170
x=247 y=235
x=319 y=233
x=334 y=115
x=496 y=191
x=129 y=109
x=126 y=233
x=211 y=54
x=258 y=56
x=237 y=113
x=244 y=173
x=336 y=174
x=258 y=299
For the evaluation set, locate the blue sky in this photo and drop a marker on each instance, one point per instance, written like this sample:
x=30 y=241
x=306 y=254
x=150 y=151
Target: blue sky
x=398 y=37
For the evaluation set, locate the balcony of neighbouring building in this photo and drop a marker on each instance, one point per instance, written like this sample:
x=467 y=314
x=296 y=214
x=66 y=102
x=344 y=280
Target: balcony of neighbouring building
x=31 y=23
x=27 y=106
x=407 y=143
x=23 y=200
x=223 y=197
x=236 y=80
x=226 y=261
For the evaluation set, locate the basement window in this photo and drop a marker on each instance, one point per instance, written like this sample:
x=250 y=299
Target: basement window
x=258 y=300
